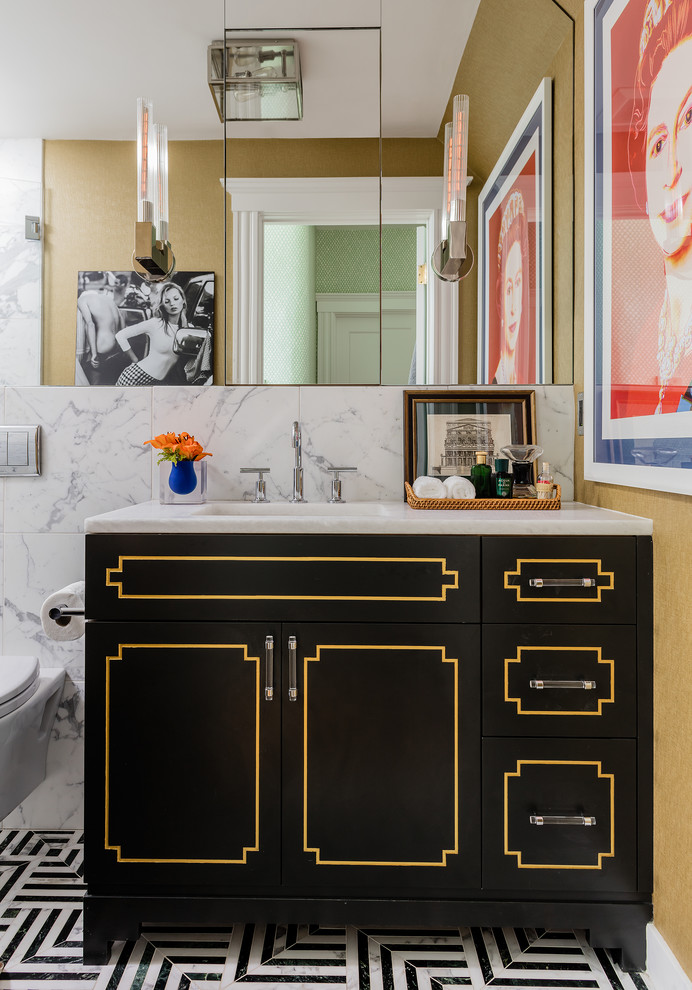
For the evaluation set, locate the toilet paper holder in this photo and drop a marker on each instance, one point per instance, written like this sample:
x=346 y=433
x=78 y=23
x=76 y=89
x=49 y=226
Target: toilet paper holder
x=62 y=615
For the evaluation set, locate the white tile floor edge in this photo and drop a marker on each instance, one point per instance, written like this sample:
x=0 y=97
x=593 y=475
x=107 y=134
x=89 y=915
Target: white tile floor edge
x=661 y=964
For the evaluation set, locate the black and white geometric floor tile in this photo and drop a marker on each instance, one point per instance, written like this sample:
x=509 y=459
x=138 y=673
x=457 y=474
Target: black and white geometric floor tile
x=41 y=890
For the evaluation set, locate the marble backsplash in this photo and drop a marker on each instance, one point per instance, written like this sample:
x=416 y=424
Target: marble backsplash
x=93 y=460
x=21 y=165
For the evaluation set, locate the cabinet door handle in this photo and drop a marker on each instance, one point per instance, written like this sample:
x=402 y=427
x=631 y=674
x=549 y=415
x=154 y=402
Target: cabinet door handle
x=292 y=669
x=269 y=668
x=569 y=685
x=562 y=820
x=540 y=582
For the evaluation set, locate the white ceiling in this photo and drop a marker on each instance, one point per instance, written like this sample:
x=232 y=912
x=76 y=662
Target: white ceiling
x=72 y=69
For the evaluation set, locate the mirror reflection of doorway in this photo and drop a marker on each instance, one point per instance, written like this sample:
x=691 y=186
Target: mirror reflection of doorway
x=322 y=303
x=408 y=209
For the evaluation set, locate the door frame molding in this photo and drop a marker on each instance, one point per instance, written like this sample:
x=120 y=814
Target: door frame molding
x=334 y=201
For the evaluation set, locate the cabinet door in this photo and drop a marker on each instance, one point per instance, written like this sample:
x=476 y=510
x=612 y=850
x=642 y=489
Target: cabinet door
x=182 y=774
x=381 y=757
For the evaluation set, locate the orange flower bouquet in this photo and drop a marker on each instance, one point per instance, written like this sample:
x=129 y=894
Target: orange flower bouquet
x=178 y=447
x=186 y=482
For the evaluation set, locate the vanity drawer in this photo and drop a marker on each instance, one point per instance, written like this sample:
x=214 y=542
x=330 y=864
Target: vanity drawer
x=559 y=579
x=559 y=814
x=559 y=680
x=279 y=577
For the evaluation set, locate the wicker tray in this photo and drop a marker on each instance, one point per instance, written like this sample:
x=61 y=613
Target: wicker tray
x=540 y=504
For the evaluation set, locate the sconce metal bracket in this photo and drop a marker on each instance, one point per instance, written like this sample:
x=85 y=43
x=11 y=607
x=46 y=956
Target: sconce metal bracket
x=153 y=260
x=452 y=259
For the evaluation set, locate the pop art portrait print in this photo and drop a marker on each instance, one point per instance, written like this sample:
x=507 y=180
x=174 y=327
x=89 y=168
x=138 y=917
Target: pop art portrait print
x=514 y=320
x=640 y=268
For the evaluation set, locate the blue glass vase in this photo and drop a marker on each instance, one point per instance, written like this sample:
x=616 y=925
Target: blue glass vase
x=184 y=483
x=182 y=479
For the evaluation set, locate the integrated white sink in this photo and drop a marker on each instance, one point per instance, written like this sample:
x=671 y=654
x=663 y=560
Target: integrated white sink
x=261 y=510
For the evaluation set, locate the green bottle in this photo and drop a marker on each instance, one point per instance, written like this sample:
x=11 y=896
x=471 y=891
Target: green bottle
x=480 y=475
x=504 y=482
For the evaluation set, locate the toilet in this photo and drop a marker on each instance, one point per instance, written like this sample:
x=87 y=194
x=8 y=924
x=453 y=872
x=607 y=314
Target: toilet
x=29 y=699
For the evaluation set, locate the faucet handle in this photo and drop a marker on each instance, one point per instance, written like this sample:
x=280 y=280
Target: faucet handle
x=260 y=484
x=336 y=482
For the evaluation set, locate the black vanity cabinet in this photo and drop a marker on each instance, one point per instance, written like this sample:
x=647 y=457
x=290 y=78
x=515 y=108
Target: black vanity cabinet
x=416 y=730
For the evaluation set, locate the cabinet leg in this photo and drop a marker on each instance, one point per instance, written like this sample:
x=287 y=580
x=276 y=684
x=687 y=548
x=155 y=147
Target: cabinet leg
x=95 y=949
x=105 y=920
x=633 y=952
x=627 y=944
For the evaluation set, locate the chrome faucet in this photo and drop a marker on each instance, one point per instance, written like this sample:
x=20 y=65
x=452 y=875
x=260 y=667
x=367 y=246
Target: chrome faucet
x=298 y=467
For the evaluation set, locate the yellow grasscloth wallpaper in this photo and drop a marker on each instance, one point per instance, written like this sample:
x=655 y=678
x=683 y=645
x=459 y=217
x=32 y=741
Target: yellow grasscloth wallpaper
x=90 y=210
x=672 y=518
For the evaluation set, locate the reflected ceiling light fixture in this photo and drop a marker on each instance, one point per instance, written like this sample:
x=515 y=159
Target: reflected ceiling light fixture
x=255 y=79
x=452 y=259
x=153 y=256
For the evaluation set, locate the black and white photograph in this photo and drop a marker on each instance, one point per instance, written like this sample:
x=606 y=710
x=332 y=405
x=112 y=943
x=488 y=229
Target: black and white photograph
x=454 y=440
x=134 y=332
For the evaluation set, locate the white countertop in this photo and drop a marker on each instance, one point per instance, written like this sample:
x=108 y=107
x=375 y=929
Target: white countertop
x=572 y=519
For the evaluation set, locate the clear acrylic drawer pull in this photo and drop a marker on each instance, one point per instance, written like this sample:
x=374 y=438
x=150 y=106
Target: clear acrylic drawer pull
x=292 y=669
x=269 y=668
x=567 y=685
x=540 y=582
x=562 y=820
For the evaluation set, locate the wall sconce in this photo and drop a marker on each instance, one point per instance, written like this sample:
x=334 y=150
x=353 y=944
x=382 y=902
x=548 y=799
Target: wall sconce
x=452 y=259
x=255 y=79
x=152 y=257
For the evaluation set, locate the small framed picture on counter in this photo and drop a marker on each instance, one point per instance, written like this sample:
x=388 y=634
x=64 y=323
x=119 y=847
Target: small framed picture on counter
x=444 y=428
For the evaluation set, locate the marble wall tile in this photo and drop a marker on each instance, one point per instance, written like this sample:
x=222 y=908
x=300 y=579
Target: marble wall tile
x=348 y=426
x=58 y=802
x=2 y=517
x=2 y=581
x=92 y=452
x=19 y=198
x=20 y=274
x=242 y=426
x=21 y=158
x=555 y=411
x=20 y=346
x=36 y=565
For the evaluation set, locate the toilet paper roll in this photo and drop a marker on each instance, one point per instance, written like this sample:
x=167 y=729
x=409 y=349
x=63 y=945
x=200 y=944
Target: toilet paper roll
x=71 y=596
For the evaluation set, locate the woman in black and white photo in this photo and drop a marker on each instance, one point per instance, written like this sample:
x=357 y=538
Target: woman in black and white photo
x=170 y=314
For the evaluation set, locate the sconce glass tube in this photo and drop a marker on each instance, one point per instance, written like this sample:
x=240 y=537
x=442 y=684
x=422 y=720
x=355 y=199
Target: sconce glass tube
x=447 y=187
x=153 y=256
x=460 y=147
x=452 y=259
x=161 y=212
x=146 y=161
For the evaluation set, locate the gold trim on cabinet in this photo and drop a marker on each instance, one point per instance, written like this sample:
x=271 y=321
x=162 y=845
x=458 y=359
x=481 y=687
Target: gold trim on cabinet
x=173 y=646
x=452 y=585
x=316 y=849
x=560 y=560
x=559 y=866
x=560 y=649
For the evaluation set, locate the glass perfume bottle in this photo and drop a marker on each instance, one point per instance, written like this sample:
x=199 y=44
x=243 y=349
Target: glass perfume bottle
x=544 y=485
x=480 y=475
x=522 y=457
x=504 y=482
